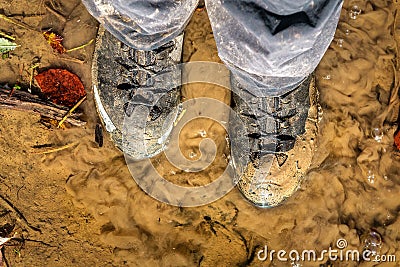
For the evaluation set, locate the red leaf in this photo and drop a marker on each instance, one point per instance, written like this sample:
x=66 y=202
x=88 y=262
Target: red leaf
x=61 y=86
x=55 y=41
x=397 y=139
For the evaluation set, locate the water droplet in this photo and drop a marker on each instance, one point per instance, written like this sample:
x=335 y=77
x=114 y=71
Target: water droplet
x=386 y=177
x=347 y=32
x=326 y=77
x=371 y=177
x=373 y=242
x=172 y=172
x=192 y=154
x=354 y=12
x=203 y=133
x=377 y=134
x=340 y=42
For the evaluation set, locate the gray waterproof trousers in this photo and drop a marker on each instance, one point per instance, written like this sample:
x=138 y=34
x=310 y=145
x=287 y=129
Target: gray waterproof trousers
x=270 y=46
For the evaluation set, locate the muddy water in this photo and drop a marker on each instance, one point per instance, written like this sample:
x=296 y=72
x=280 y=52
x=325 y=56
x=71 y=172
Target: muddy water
x=351 y=189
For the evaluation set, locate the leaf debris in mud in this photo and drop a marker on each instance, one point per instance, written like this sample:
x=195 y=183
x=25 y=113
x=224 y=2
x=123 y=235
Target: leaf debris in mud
x=61 y=86
x=6 y=45
x=55 y=41
x=397 y=139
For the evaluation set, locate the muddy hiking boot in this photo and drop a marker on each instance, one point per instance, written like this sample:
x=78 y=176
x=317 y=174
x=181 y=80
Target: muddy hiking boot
x=281 y=133
x=137 y=94
x=136 y=104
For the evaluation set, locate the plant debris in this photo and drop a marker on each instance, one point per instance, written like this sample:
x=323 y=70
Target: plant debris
x=55 y=41
x=20 y=24
x=57 y=149
x=98 y=135
x=61 y=86
x=397 y=139
x=50 y=113
x=15 y=87
x=7 y=36
x=70 y=111
x=6 y=45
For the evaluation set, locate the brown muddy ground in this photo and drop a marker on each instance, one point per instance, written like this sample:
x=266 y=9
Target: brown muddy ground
x=81 y=207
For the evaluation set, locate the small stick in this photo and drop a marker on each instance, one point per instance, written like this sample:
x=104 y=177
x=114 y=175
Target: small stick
x=15 y=87
x=7 y=36
x=26 y=15
x=56 y=149
x=55 y=13
x=8 y=205
x=71 y=110
x=24 y=101
x=75 y=60
x=80 y=47
x=20 y=24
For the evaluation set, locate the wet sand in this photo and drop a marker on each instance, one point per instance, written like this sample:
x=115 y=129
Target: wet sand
x=84 y=208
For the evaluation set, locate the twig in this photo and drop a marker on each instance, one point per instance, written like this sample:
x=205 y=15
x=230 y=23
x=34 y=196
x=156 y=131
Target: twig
x=21 y=240
x=8 y=205
x=20 y=24
x=7 y=36
x=3 y=257
x=27 y=102
x=26 y=15
x=15 y=87
x=72 y=59
x=71 y=110
x=80 y=47
x=56 y=149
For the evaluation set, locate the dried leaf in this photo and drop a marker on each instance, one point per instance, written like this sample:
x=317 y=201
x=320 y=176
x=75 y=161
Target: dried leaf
x=61 y=86
x=55 y=41
x=397 y=139
x=6 y=45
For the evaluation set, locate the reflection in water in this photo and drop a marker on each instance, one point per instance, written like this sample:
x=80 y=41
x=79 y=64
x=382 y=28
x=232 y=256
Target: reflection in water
x=373 y=242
